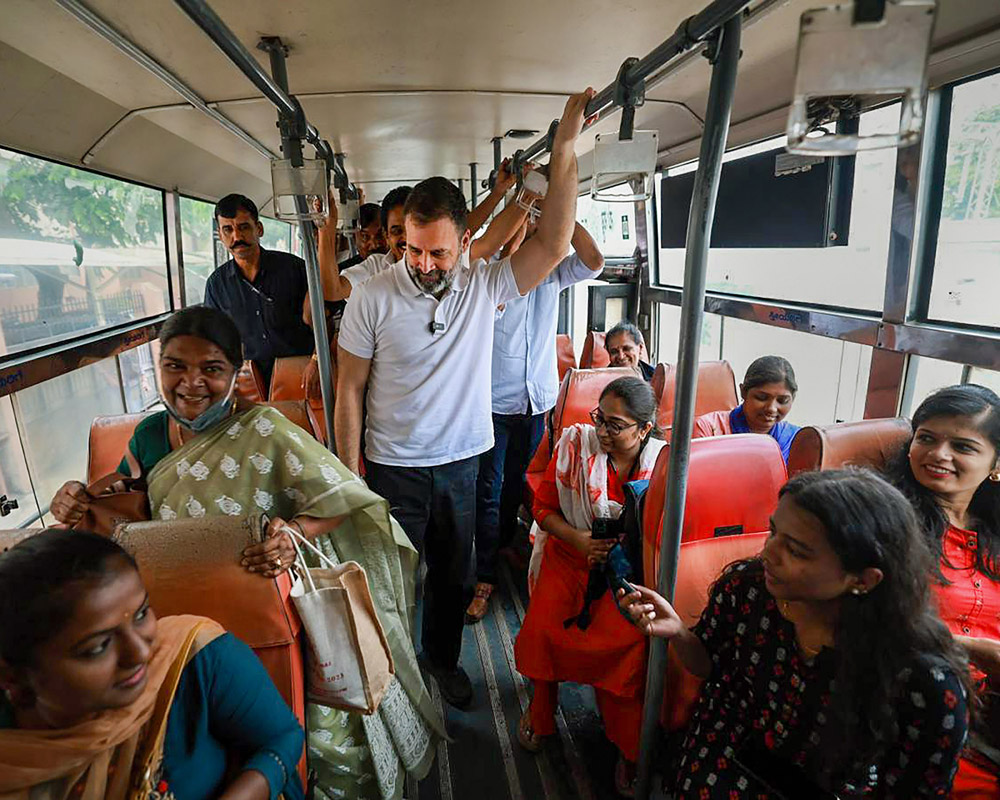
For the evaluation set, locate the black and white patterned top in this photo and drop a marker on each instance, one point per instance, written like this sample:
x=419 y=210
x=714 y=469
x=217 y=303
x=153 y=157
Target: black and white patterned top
x=764 y=695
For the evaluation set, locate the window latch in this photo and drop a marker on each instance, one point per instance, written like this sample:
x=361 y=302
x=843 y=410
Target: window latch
x=6 y=506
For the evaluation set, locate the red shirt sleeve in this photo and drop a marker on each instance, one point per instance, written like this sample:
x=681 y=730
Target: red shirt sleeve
x=547 y=496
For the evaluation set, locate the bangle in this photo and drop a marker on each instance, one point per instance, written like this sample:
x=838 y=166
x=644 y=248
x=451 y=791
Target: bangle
x=298 y=525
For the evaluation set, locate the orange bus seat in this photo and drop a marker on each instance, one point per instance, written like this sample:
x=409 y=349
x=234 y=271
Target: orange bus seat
x=565 y=357
x=109 y=438
x=294 y=411
x=716 y=390
x=701 y=563
x=188 y=572
x=733 y=484
x=595 y=354
x=286 y=379
x=868 y=443
x=250 y=383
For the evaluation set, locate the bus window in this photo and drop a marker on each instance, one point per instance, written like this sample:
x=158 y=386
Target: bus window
x=197 y=228
x=967 y=264
x=15 y=483
x=55 y=418
x=852 y=276
x=925 y=375
x=277 y=235
x=832 y=374
x=79 y=252
x=668 y=327
x=985 y=377
x=611 y=224
x=138 y=378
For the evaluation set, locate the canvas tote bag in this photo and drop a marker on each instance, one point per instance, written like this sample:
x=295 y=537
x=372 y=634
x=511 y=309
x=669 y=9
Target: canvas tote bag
x=350 y=665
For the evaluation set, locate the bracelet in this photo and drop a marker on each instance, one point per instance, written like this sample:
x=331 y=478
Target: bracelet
x=298 y=525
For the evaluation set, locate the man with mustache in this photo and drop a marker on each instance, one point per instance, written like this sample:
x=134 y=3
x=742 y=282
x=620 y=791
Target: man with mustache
x=264 y=291
x=420 y=337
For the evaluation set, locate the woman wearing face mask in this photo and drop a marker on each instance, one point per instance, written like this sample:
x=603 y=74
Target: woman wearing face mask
x=827 y=672
x=211 y=454
x=584 y=481
x=950 y=471
x=86 y=671
x=768 y=391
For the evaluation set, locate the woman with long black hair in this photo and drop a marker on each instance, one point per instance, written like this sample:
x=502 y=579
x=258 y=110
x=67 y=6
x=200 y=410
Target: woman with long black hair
x=827 y=672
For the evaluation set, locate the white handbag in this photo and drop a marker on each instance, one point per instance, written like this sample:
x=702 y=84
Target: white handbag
x=350 y=665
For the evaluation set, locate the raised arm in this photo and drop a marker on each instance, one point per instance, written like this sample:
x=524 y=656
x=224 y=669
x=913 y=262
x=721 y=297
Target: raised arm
x=539 y=255
x=500 y=231
x=478 y=216
x=335 y=286
x=352 y=376
x=585 y=247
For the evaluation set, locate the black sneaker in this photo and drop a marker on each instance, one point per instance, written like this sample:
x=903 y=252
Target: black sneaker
x=454 y=684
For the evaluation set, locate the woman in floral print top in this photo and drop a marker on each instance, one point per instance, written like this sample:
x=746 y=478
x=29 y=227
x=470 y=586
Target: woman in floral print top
x=827 y=672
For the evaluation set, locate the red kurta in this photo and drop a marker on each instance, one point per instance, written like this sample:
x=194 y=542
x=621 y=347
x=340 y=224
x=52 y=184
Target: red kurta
x=610 y=654
x=969 y=606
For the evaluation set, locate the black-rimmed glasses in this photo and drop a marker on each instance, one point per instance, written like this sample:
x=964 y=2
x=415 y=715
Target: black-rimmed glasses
x=614 y=427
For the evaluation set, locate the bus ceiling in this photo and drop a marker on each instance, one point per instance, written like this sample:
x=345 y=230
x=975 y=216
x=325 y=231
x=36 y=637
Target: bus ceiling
x=402 y=93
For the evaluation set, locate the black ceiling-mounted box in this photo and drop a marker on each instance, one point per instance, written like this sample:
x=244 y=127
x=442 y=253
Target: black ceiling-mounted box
x=771 y=199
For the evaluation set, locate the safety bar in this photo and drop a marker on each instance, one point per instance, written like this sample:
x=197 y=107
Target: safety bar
x=205 y=18
x=689 y=33
x=724 y=53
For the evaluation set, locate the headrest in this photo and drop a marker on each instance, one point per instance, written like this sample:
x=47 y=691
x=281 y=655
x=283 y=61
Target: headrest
x=595 y=353
x=286 y=379
x=109 y=437
x=192 y=566
x=733 y=484
x=565 y=357
x=868 y=443
x=716 y=390
x=579 y=395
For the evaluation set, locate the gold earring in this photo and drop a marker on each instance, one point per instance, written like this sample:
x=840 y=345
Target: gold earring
x=995 y=476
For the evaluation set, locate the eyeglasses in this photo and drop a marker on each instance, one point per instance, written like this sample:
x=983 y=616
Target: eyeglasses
x=612 y=426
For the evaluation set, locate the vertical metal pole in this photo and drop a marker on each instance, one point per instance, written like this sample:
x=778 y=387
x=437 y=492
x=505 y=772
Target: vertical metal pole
x=292 y=149
x=474 y=183
x=724 y=52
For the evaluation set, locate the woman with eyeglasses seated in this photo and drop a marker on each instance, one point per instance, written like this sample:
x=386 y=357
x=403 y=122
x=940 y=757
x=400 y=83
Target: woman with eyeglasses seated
x=768 y=391
x=96 y=689
x=585 y=481
x=827 y=672
x=950 y=472
x=210 y=453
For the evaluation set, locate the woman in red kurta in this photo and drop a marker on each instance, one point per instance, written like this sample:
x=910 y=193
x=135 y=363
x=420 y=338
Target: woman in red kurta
x=950 y=470
x=584 y=482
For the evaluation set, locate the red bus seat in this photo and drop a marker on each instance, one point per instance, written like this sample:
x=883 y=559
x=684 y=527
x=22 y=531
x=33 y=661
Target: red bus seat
x=868 y=443
x=189 y=572
x=565 y=357
x=109 y=437
x=716 y=390
x=595 y=353
x=286 y=379
x=250 y=383
x=733 y=485
x=701 y=562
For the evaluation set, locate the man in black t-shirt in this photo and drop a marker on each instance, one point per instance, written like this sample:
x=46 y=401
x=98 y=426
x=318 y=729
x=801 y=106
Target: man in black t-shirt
x=264 y=291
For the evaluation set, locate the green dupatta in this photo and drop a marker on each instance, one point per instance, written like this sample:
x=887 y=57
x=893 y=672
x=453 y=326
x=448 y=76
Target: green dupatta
x=258 y=461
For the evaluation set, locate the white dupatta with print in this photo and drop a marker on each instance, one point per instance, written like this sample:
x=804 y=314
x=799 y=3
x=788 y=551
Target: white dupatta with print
x=582 y=484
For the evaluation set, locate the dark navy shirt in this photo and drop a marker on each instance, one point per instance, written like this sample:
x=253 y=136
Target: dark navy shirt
x=268 y=311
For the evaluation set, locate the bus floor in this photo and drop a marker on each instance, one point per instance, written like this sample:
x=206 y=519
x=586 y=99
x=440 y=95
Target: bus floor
x=484 y=760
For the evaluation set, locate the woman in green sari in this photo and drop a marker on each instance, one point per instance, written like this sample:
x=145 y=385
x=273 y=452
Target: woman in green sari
x=210 y=453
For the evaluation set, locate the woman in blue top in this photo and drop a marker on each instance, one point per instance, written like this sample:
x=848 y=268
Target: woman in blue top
x=768 y=391
x=102 y=701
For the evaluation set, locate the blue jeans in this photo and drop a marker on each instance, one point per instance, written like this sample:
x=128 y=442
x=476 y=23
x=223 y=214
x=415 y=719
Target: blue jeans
x=501 y=486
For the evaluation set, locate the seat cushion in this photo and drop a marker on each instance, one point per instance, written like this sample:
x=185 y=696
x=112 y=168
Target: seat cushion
x=867 y=443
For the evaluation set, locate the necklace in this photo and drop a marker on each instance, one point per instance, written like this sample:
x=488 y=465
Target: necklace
x=810 y=652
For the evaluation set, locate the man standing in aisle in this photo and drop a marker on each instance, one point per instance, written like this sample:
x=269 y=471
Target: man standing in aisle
x=420 y=337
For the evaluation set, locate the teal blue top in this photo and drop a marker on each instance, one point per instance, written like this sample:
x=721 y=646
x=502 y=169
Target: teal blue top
x=226 y=710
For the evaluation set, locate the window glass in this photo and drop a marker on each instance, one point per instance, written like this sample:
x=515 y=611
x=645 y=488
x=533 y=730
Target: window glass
x=78 y=252
x=15 y=483
x=986 y=377
x=832 y=374
x=851 y=276
x=925 y=375
x=138 y=378
x=277 y=235
x=197 y=231
x=967 y=265
x=55 y=419
x=669 y=333
x=611 y=224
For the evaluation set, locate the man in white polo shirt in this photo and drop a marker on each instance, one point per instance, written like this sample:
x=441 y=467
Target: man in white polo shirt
x=420 y=337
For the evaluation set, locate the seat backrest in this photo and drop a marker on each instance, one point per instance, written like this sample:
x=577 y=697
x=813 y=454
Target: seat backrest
x=109 y=437
x=250 y=383
x=295 y=411
x=733 y=484
x=286 y=379
x=579 y=394
x=700 y=564
x=595 y=353
x=565 y=356
x=716 y=390
x=867 y=443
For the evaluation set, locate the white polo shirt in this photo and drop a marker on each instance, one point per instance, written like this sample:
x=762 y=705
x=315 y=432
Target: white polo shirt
x=371 y=266
x=428 y=392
